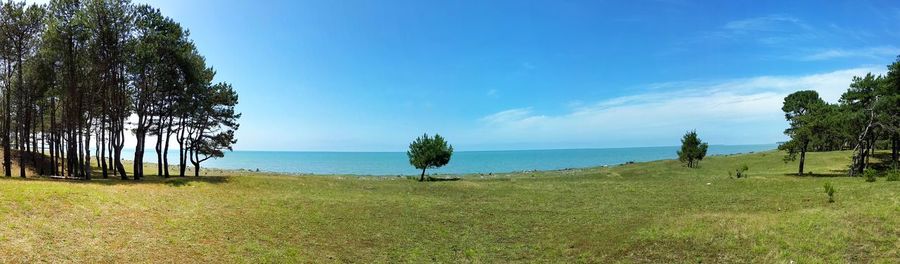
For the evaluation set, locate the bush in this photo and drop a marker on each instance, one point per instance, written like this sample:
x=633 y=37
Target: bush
x=693 y=150
x=740 y=172
x=829 y=190
x=893 y=175
x=871 y=175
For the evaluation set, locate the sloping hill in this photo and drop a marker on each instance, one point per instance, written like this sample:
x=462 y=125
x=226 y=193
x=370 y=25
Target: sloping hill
x=646 y=212
x=34 y=163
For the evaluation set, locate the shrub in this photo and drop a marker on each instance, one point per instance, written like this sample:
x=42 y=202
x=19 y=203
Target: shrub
x=871 y=175
x=693 y=150
x=894 y=175
x=829 y=190
x=741 y=172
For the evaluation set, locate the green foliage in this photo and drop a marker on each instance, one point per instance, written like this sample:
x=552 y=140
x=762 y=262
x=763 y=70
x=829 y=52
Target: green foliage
x=808 y=116
x=791 y=149
x=829 y=190
x=693 y=150
x=798 y=104
x=870 y=175
x=214 y=122
x=429 y=152
x=741 y=172
x=893 y=175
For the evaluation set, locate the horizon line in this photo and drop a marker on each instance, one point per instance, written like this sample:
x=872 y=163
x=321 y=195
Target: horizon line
x=492 y=150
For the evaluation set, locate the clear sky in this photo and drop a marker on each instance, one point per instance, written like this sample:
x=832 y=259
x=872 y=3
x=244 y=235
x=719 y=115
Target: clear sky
x=372 y=75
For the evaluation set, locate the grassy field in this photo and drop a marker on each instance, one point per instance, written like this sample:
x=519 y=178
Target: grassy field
x=646 y=212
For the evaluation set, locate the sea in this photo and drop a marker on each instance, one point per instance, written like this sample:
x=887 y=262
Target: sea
x=462 y=162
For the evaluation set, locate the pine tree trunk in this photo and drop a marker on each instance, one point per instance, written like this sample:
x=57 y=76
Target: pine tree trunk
x=23 y=142
x=101 y=152
x=159 y=153
x=139 y=156
x=87 y=151
x=53 y=154
x=422 y=177
x=894 y=151
x=802 y=157
x=165 y=152
x=7 y=126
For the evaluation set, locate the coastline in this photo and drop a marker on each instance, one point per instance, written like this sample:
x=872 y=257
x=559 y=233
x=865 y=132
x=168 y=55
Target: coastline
x=212 y=171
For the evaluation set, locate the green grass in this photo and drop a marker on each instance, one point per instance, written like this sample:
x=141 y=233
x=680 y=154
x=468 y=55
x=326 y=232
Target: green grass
x=655 y=212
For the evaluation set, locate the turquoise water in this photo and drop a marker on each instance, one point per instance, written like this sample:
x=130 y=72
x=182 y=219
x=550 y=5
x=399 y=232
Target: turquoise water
x=396 y=163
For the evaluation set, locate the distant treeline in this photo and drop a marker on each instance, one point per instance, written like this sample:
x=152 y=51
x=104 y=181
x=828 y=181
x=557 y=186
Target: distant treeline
x=78 y=75
x=866 y=118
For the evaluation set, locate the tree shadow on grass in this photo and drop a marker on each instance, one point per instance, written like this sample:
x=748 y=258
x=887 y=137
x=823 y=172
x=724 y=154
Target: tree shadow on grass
x=434 y=179
x=881 y=161
x=185 y=181
x=34 y=162
x=115 y=180
x=42 y=164
x=831 y=173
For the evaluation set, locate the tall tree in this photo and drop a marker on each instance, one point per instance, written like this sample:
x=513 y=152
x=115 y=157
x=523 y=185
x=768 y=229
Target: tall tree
x=110 y=27
x=155 y=72
x=861 y=103
x=803 y=111
x=21 y=26
x=66 y=37
x=41 y=78
x=6 y=65
x=182 y=105
x=889 y=106
x=213 y=123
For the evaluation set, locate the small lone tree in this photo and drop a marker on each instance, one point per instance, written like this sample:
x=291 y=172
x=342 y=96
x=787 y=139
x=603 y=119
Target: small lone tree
x=427 y=152
x=692 y=149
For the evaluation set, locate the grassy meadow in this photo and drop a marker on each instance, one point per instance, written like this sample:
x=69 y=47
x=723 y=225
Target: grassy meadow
x=655 y=212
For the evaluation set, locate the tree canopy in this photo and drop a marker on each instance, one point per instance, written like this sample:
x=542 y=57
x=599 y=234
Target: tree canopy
x=866 y=117
x=429 y=152
x=806 y=113
x=693 y=150
x=77 y=76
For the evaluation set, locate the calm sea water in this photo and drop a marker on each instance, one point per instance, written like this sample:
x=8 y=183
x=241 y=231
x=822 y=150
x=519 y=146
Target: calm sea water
x=396 y=163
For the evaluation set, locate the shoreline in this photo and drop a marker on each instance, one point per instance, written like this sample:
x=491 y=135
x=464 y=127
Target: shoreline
x=206 y=169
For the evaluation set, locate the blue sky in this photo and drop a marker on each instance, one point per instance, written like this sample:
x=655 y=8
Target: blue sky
x=372 y=75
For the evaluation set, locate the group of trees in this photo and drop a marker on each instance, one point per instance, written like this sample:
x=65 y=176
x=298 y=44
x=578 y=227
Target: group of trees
x=866 y=118
x=79 y=75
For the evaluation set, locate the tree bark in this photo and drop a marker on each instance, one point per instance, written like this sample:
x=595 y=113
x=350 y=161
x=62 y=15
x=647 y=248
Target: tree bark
x=43 y=138
x=23 y=138
x=803 y=157
x=182 y=151
x=422 y=177
x=165 y=152
x=894 y=152
x=101 y=152
x=87 y=150
x=159 y=152
x=7 y=124
x=53 y=153
x=139 y=153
